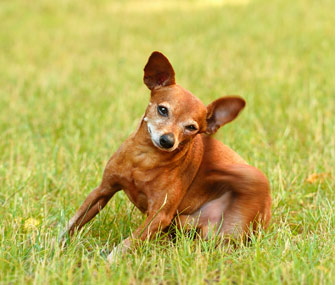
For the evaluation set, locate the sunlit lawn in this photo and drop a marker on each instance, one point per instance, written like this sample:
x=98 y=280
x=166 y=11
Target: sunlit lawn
x=71 y=91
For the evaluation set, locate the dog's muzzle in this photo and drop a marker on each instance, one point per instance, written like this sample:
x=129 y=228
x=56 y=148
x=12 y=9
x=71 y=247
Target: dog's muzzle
x=167 y=141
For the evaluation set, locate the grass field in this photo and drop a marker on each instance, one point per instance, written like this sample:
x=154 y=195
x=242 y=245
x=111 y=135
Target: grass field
x=71 y=91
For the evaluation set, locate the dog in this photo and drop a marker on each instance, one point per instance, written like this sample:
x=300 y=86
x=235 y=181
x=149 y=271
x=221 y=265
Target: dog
x=172 y=169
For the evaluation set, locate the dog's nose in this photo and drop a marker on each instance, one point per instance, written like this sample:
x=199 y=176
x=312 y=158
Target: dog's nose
x=167 y=140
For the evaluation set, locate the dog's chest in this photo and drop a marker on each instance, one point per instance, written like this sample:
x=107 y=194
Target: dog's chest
x=139 y=187
x=138 y=198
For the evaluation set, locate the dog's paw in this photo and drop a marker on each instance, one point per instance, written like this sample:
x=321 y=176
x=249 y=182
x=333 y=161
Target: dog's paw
x=113 y=256
x=116 y=254
x=63 y=238
x=118 y=251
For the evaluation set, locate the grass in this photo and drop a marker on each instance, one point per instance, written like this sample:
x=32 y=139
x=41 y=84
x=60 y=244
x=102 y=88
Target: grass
x=71 y=92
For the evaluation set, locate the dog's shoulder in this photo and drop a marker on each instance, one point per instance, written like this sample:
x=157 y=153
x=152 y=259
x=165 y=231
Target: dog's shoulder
x=215 y=150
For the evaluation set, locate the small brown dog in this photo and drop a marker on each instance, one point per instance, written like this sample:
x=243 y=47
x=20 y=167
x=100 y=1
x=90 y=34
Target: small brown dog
x=172 y=168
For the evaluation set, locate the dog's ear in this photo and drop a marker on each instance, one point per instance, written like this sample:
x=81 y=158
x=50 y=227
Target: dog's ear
x=222 y=111
x=158 y=71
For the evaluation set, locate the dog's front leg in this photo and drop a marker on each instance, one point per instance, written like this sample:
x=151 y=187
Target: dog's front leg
x=92 y=205
x=151 y=226
x=158 y=219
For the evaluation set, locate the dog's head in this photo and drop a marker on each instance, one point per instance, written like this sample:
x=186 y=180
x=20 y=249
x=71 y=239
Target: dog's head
x=174 y=115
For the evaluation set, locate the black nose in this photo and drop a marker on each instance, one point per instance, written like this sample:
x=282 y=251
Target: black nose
x=167 y=140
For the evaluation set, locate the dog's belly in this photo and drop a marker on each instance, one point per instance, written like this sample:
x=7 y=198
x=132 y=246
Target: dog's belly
x=216 y=216
x=214 y=210
x=201 y=195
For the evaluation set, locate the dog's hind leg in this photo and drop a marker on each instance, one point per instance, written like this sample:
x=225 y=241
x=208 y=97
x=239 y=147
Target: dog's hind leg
x=250 y=201
x=245 y=200
x=210 y=218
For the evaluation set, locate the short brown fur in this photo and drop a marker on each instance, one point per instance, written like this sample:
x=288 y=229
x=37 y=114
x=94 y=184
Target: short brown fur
x=171 y=167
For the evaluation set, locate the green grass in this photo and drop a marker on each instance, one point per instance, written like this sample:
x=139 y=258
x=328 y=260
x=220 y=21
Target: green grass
x=71 y=91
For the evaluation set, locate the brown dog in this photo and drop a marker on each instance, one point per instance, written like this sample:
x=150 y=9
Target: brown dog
x=171 y=167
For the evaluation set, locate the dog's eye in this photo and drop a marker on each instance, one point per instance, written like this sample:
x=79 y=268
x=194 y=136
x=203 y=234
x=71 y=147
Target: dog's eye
x=163 y=111
x=191 y=128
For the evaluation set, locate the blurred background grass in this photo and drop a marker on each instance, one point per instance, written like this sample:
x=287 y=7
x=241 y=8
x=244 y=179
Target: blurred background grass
x=71 y=91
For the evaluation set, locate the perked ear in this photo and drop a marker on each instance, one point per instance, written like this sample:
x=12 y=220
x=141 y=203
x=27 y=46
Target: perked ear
x=158 y=71
x=223 y=111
